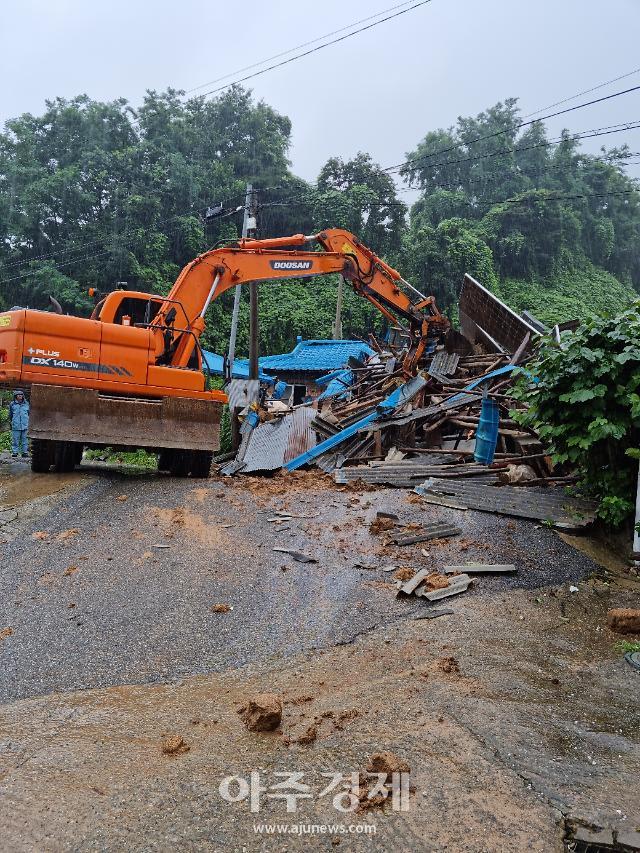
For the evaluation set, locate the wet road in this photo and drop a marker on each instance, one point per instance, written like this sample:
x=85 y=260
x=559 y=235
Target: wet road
x=115 y=582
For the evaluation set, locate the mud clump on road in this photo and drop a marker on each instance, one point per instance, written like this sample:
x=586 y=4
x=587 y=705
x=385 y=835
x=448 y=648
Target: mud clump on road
x=306 y=737
x=436 y=581
x=284 y=483
x=449 y=665
x=262 y=712
x=624 y=620
x=380 y=525
x=404 y=573
x=175 y=745
x=386 y=766
x=388 y=763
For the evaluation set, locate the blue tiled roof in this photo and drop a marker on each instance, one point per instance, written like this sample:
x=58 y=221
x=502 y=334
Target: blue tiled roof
x=316 y=355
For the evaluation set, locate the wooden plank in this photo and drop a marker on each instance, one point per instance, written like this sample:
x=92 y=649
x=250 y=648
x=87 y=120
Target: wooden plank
x=480 y=569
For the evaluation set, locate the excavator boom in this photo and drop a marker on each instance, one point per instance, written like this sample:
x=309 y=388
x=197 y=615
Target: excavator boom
x=211 y=274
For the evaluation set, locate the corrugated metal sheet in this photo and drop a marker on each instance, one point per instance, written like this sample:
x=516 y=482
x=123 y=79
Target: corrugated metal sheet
x=408 y=473
x=337 y=382
x=267 y=447
x=444 y=364
x=524 y=501
x=317 y=355
x=484 y=318
x=301 y=435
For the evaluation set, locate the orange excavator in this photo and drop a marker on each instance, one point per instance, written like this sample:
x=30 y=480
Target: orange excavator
x=131 y=375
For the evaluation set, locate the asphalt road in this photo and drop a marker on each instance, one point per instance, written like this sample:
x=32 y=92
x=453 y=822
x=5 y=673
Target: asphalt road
x=516 y=714
x=92 y=601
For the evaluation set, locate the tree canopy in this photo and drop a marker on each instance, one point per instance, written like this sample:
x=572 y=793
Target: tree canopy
x=94 y=193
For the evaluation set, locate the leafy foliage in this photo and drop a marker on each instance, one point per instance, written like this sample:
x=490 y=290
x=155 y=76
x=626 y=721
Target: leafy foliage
x=544 y=211
x=585 y=404
x=96 y=193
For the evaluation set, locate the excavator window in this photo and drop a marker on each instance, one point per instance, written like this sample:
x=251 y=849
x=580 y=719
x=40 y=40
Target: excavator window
x=139 y=310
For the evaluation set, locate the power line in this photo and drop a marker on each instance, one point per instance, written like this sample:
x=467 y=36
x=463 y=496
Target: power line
x=587 y=134
x=590 y=134
x=315 y=49
x=584 y=92
x=297 y=47
x=528 y=200
x=517 y=127
x=101 y=240
x=490 y=177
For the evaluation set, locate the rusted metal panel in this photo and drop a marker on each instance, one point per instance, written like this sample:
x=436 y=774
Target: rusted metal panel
x=301 y=435
x=486 y=319
x=266 y=447
x=84 y=415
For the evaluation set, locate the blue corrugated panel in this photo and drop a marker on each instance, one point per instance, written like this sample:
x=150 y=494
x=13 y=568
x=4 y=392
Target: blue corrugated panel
x=316 y=355
x=214 y=364
x=337 y=383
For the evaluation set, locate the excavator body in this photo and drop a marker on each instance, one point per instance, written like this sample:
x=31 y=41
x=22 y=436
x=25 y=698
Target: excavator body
x=131 y=374
x=94 y=383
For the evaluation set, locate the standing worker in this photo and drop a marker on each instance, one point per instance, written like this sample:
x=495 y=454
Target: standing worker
x=19 y=420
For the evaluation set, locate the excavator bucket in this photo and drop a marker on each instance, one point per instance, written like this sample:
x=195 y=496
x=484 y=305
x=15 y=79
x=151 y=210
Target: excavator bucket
x=86 y=416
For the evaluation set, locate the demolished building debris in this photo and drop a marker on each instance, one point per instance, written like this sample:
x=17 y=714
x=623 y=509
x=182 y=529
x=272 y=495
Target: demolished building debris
x=451 y=433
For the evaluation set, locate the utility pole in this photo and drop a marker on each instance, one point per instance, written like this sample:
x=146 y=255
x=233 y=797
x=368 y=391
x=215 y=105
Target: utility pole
x=253 y=299
x=337 y=326
x=248 y=230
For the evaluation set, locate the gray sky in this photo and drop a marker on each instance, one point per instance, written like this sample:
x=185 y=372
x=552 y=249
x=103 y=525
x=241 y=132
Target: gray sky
x=379 y=92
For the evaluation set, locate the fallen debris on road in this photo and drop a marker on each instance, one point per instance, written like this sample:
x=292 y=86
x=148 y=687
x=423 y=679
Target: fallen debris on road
x=624 y=620
x=548 y=505
x=479 y=569
x=298 y=556
x=438 y=530
x=175 y=745
x=262 y=713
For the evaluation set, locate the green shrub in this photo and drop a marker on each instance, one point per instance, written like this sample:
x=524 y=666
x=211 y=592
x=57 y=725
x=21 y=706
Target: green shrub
x=584 y=403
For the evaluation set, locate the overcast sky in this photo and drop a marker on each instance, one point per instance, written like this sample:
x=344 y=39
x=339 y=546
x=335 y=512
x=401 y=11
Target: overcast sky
x=379 y=91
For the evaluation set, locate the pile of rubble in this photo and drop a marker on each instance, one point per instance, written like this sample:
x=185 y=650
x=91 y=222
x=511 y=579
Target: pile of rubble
x=449 y=432
x=408 y=430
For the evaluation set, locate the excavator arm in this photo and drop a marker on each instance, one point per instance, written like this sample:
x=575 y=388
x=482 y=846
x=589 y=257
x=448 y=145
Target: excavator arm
x=179 y=322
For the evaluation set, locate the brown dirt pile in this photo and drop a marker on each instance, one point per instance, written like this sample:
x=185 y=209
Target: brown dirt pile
x=262 y=712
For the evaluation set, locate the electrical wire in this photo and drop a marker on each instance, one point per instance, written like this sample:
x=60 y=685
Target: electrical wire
x=315 y=49
x=587 y=134
x=584 y=92
x=522 y=124
x=100 y=240
x=297 y=47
